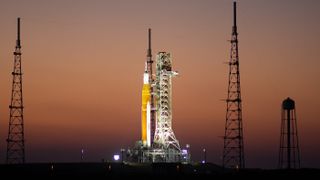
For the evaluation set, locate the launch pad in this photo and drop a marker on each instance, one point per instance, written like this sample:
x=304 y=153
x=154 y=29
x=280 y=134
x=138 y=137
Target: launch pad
x=157 y=155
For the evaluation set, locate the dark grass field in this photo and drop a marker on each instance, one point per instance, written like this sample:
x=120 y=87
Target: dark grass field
x=143 y=171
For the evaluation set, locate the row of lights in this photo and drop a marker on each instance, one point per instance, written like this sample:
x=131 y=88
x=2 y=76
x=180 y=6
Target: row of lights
x=116 y=157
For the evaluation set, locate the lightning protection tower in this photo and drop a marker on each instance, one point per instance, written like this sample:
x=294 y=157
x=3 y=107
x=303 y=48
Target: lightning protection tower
x=233 y=150
x=289 y=154
x=164 y=136
x=15 y=140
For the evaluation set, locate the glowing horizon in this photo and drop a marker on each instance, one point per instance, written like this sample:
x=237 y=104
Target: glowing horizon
x=83 y=62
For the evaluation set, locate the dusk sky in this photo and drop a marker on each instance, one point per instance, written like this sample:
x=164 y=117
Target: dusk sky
x=83 y=63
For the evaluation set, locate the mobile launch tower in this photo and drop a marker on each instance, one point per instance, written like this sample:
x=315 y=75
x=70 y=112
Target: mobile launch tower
x=164 y=138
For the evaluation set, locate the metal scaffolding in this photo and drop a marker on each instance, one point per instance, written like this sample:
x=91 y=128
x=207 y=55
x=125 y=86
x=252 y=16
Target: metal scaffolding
x=164 y=137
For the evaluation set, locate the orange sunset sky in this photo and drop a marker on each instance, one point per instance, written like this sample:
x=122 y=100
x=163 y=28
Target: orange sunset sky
x=83 y=63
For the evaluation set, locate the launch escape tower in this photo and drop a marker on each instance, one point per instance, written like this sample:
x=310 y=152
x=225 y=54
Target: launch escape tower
x=15 y=140
x=164 y=137
x=233 y=150
x=289 y=154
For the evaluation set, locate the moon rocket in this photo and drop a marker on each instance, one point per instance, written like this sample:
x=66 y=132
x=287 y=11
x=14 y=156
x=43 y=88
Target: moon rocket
x=146 y=110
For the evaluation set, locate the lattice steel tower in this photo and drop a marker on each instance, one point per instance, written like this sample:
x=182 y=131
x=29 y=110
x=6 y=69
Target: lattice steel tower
x=289 y=154
x=164 y=137
x=233 y=150
x=15 y=140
